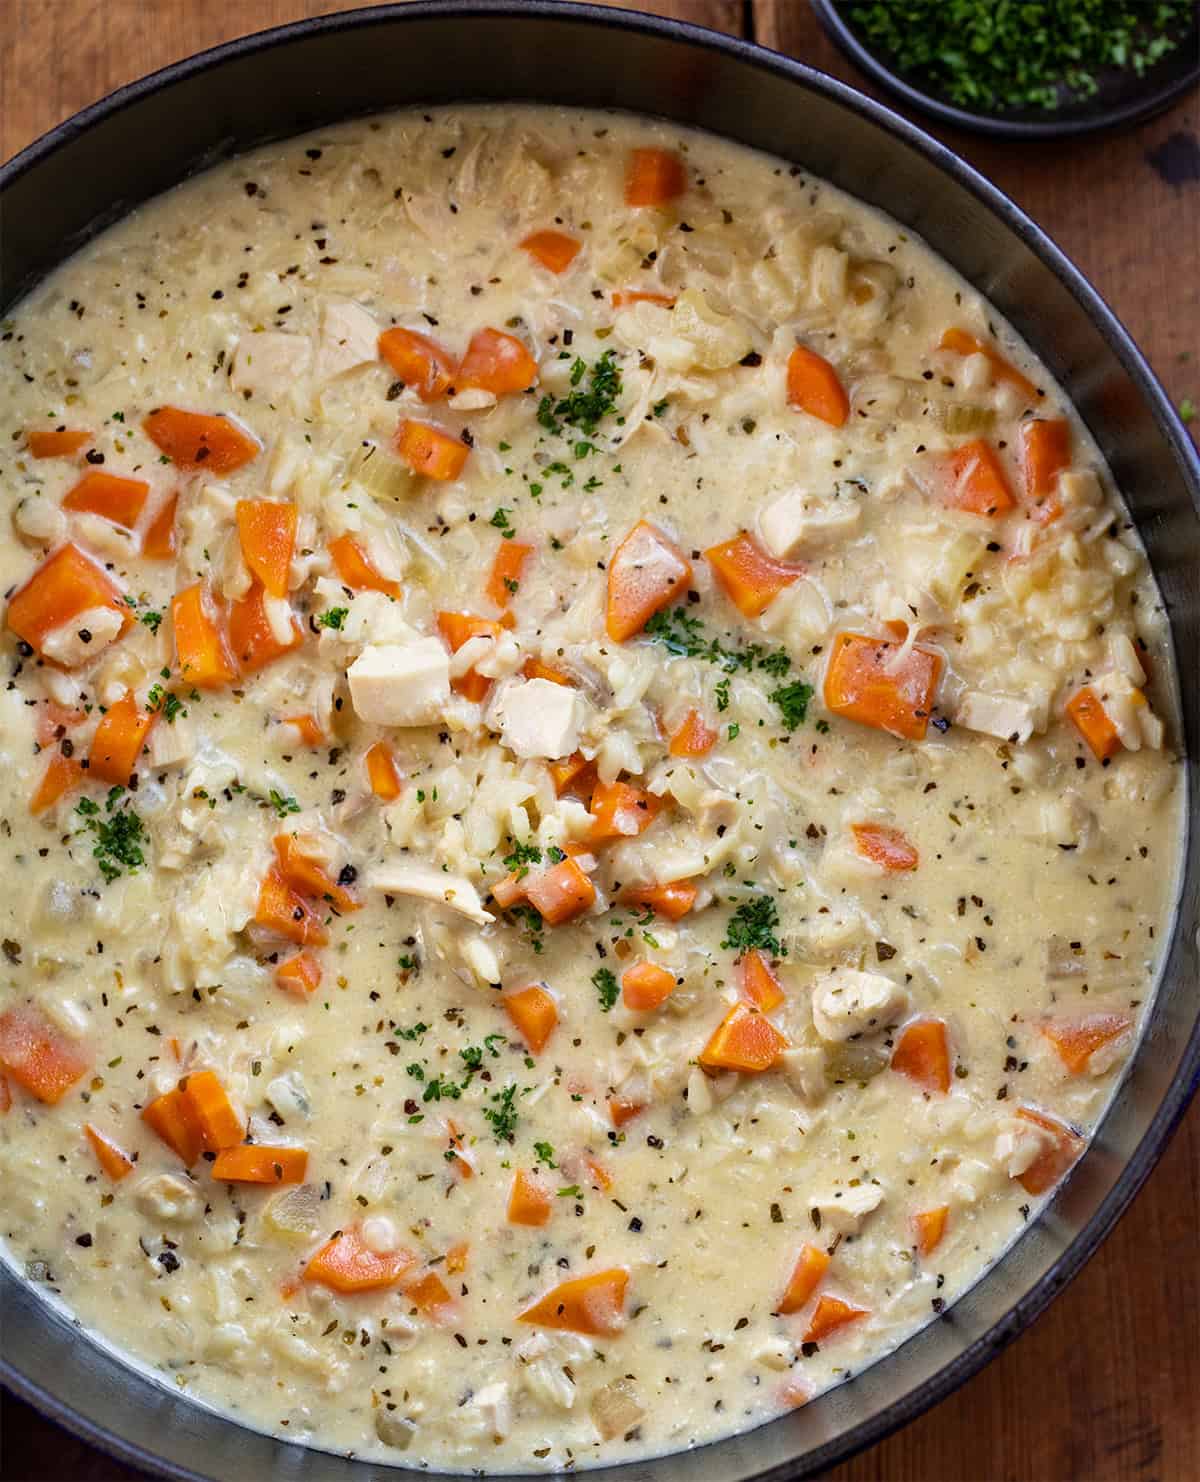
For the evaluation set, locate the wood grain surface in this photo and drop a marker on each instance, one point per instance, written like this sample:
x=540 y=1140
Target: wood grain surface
x=1104 y=1387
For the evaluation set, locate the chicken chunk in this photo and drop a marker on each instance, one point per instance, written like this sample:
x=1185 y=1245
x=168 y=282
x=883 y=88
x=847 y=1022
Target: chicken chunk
x=349 y=338
x=84 y=637
x=401 y=684
x=407 y=877
x=538 y=718
x=844 y=1210
x=269 y=364
x=846 y=1002
x=997 y=715
x=796 y=519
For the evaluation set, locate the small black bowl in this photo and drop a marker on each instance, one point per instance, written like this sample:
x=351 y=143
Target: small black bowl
x=1123 y=97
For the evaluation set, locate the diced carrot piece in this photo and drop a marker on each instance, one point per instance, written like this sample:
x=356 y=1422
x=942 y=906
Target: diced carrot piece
x=1076 y=1040
x=456 y=1258
x=929 y=1226
x=37 y=1055
x=694 y=736
x=382 y=775
x=592 y=1304
x=624 y=298
x=534 y=1013
x=309 y=732
x=497 y=362
x=621 y=811
x=923 y=1054
x=977 y=481
x=200 y=648
x=507 y=892
x=251 y=636
x=538 y=669
x=300 y=974
x=1045 y=452
x=646 y=986
x=267 y=532
x=811 y=1265
x=622 y=1109
x=744 y=1040
x=750 y=578
x=256 y=1164
x=158 y=543
x=173 y=1117
x=194 y=440
x=885 y=846
x=863 y=683
x=304 y=872
x=962 y=343
x=793 y=1393
x=118 y=741
x=529 y=1201
x=64 y=585
x=5 y=1097
x=430 y=451
x=554 y=250
x=62 y=775
x=653 y=177
x=598 y=1174
x=347 y=1264
x=456 y=628
x=419 y=361
x=560 y=893
x=356 y=570
x=673 y=901
x=116 y=499
x=280 y=909
x=760 y=986
x=575 y=775
x=813 y=386
x=830 y=1314
x=428 y=1292
x=506 y=570
x=55 y=442
x=219 y=1124
x=1090 y=719
x=647 y=571
x=1055 y=1158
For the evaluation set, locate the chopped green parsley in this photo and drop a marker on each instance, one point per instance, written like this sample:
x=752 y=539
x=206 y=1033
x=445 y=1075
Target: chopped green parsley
x=754 y=926
x=606 y=986
x=119 y=836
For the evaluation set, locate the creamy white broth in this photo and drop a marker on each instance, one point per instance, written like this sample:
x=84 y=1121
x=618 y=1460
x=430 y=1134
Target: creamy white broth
x=1026 y=914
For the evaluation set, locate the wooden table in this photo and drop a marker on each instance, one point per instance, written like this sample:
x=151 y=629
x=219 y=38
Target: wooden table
x=1104 y=1387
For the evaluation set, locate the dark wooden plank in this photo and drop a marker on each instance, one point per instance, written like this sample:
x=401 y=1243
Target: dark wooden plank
x=59 y=55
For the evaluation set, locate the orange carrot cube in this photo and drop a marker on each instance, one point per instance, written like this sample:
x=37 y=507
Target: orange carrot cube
x=866 y=680
x=419 y=361
x=430 y=451
x=193 y=440
x=534 y=1013
x=646 y=573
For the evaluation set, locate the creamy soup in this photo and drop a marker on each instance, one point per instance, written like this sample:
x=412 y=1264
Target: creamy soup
x=585 y=791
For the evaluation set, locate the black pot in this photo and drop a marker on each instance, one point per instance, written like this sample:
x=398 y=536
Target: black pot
x=145 y=138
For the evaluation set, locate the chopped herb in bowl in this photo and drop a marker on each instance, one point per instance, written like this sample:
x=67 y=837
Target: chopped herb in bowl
x=995 y=56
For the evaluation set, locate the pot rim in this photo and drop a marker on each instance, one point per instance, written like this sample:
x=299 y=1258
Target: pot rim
x=914 y=1401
